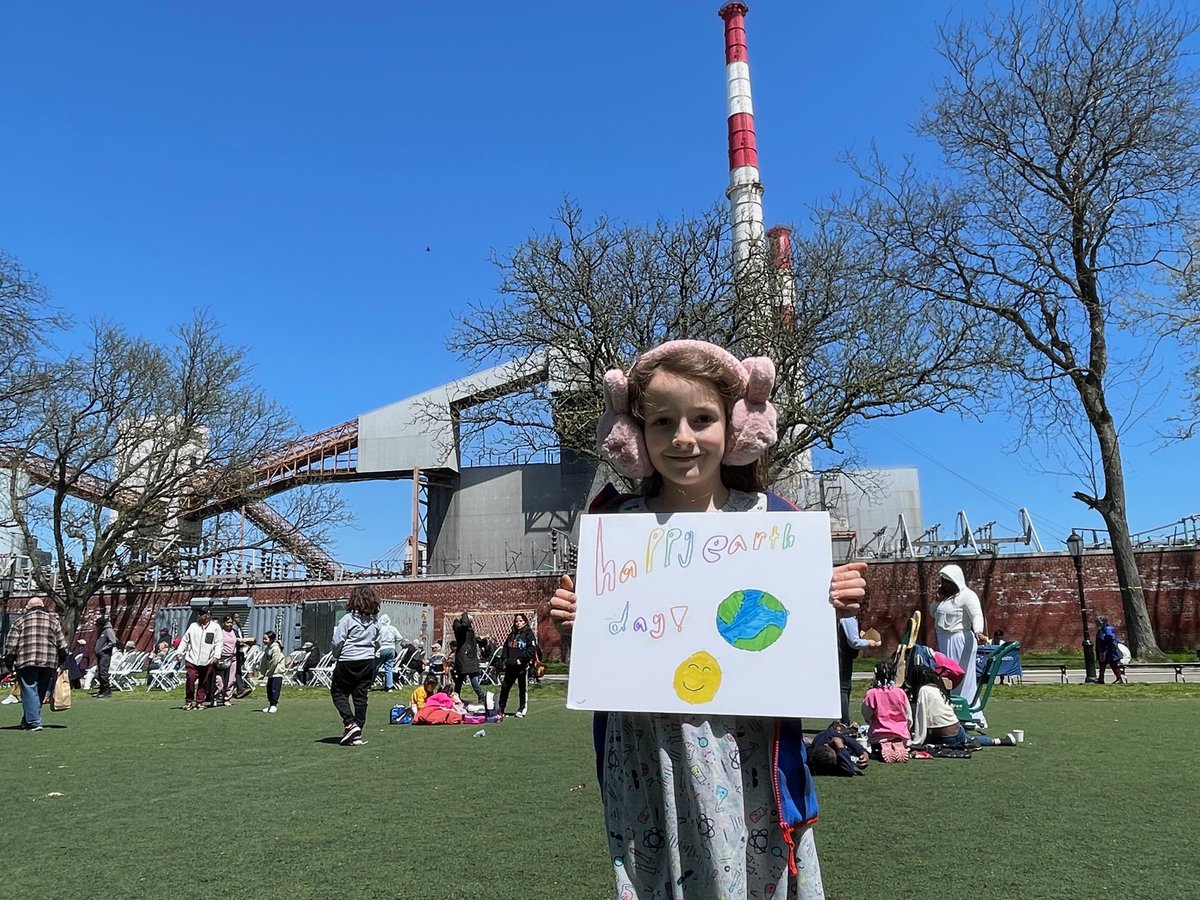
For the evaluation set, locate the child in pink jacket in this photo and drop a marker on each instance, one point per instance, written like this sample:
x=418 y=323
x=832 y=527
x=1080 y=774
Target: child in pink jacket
x=888 y=715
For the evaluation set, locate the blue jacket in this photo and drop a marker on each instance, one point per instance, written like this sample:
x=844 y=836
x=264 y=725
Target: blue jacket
x=795 y=795
x=1106 y=644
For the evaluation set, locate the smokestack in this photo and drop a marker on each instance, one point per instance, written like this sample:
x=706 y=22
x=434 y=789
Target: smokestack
x=779 y=239
x=745 y=190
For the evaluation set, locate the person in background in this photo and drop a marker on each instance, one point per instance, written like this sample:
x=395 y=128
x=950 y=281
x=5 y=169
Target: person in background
x=423 y=692
x=161 y=649
x=466 y=655
x=958 y=617
x=1107 y=651
x=934 y=718
x=888 y=714
x=34 y=649
x=241 y=684
x=389 y=645
x=200 y=648
x=355 y=645
x=437 y=662
x=520 y=650
x=78 y=663
x=310 y=662
x=850 y=643
x=226 y=671
x=997 y=637
x=835 y=752
x=106 y=643
x=269 y=668
x=163 y=641
x=486 y=649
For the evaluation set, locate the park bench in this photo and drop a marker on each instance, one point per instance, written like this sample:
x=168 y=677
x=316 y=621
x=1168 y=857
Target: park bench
x=1060 y=668
x=1176 y=667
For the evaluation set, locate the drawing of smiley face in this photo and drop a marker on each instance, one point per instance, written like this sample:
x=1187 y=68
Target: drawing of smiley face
x=698 y=678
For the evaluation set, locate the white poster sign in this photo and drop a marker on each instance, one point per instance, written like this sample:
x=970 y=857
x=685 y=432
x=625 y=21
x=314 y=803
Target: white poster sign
x=705 y=613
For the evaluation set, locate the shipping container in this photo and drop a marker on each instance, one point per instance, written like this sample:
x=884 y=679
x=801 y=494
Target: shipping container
x=413 y=620
x=281 y=618
x=176 y=619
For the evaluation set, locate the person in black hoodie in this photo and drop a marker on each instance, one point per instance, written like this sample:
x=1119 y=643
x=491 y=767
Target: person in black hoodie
x=520 y=649
x=106 y=643
x=466 y=655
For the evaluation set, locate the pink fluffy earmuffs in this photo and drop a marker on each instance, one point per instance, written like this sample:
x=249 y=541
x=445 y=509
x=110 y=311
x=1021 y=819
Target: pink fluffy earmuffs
x=751 y=424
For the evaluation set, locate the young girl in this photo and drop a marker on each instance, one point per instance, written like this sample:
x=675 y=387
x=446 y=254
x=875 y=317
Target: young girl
x=888 y=715
x=934 y=718
x=269 y=668
x=355 y=645
x=696 y=806
x=520 y=650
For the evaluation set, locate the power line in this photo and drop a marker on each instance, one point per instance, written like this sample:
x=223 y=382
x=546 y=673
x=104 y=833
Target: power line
x=1003 y=501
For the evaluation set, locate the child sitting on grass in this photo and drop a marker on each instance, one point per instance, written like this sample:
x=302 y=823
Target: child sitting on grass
x=888 y=715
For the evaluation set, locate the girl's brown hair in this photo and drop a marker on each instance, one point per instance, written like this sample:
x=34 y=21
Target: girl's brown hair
x=689 y=362
x=363 y=601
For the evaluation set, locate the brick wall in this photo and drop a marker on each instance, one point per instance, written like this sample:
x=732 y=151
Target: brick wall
x=1033 y=597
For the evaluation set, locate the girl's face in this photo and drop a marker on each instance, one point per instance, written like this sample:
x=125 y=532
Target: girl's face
x=519 y=622
x=685 y=430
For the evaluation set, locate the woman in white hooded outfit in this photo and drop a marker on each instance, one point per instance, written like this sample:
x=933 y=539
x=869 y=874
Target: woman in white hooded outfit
x=958 y=617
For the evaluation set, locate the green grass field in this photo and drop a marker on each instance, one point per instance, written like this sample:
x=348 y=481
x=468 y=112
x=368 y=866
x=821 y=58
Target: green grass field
x=135 y=798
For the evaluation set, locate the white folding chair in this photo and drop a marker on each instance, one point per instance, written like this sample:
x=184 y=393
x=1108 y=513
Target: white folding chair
x=292 y=664
x=322 y=672
x=250 y=661
x=124 y=669
x=169 y=675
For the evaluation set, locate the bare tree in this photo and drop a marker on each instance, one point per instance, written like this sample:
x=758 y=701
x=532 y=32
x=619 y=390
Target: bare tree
x=1071 y=140
x=26 y=321
x=590 y=295
x=130 y=444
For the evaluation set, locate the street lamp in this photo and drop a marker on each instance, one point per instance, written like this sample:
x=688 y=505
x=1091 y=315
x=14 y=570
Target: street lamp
x=1075 y=548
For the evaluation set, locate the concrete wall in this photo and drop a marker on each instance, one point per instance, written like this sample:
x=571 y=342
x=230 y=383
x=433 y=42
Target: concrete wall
x=1033 y=597
x=498 y=520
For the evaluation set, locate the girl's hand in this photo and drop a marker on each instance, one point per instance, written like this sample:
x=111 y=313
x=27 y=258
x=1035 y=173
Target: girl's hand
x=562 y=606
x=847 y=586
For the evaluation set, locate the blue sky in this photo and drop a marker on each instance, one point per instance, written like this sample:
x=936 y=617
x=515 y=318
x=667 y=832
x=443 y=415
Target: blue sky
x=287 y=165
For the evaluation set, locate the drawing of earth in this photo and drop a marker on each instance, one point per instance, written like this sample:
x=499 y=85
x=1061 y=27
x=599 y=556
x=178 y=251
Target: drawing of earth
x=751 y=619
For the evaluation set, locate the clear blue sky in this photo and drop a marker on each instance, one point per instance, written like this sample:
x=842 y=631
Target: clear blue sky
x=287 y=165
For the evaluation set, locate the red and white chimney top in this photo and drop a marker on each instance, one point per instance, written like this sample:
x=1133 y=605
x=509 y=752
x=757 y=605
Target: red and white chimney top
x=745 y=190
x=779 y=240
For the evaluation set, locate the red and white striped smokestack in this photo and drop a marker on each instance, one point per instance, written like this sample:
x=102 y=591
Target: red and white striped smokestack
x=745 y=190
x=779 y=239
